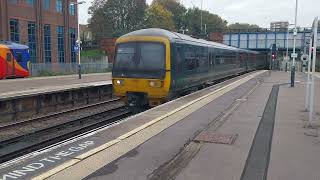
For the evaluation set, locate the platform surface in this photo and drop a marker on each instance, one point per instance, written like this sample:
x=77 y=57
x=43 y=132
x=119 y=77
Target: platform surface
x=16 y=87
x=260 y=109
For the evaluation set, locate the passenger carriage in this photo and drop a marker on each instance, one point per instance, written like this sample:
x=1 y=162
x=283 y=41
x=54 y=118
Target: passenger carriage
x=14 y=60
x=153 y=66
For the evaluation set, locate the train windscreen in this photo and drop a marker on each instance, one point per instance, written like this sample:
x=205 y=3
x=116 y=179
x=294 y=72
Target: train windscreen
x=140 y=60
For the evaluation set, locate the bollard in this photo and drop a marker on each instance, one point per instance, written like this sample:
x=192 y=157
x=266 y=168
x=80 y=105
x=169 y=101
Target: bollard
x=79 y=69
x=293 y=71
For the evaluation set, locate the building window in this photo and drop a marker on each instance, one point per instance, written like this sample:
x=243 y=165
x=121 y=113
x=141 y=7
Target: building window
x=46 y=4
x=47 y=43
x=30 y=2
x=60 y=34
x=72 y=9
x=32 y=41
x=59 y=5
x=72 y=33
x=14 y=30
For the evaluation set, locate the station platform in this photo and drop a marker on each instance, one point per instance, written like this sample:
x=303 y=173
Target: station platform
x=22 y=99
x=250 y=127
x=18 y=87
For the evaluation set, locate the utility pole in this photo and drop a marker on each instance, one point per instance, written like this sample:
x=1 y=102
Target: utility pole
x=201 y=16
x=76 y=5
x=294 y=55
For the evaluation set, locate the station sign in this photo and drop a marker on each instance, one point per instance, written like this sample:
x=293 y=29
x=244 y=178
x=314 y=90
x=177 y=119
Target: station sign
x=294 y=55
x=76 y=48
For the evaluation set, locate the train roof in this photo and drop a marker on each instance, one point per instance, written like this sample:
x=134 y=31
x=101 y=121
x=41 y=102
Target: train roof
x=174 y=36
x=12 y=45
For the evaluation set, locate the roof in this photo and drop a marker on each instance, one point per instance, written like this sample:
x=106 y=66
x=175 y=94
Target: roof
x=174 y=36
x=12 y=45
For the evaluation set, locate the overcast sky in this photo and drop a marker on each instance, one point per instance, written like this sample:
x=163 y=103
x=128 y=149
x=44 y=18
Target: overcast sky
x=260 y=12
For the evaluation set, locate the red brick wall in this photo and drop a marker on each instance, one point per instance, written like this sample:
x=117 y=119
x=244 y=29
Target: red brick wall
x=216 y=37
x=24 y=13
x=108 y=44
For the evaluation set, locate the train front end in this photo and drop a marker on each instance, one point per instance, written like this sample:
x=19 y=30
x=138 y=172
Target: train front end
x=141 y=70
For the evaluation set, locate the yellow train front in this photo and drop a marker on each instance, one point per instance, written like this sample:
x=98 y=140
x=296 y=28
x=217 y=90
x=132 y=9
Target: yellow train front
x=141 y=70
x=154 y=65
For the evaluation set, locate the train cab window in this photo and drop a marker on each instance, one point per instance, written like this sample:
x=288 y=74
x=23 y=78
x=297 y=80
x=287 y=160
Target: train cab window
x=140 y=60
x=19 y=57
x=152 y=56
x=8 y=57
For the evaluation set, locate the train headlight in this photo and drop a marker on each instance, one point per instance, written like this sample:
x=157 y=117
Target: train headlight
x=118 y=82
x=156 y=84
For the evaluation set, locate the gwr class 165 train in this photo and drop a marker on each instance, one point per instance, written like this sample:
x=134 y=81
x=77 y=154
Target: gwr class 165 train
x=153 y=66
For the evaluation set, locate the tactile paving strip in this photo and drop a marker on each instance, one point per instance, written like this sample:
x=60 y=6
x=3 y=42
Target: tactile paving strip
x=212 y=137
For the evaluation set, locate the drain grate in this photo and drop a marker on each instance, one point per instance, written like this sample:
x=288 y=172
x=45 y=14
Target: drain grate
x=212 y=137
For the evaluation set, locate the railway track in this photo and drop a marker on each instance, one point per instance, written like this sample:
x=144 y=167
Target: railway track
x=41 y=133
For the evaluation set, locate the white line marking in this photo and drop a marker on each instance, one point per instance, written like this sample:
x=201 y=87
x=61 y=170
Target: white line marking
x=57 y=169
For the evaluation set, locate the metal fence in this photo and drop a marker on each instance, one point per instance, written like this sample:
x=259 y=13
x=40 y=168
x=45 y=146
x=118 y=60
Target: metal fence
x=53 y=69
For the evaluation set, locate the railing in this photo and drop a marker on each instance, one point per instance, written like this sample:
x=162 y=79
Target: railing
x=53 y=69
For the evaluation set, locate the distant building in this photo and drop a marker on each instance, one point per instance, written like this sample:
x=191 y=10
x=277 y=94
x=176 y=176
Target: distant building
x=85 y=33
x=48 y=27
x=279 y=25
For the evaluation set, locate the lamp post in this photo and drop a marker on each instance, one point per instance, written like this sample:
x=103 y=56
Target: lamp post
x=78 y=40
x=287 y=44
x=294 y=55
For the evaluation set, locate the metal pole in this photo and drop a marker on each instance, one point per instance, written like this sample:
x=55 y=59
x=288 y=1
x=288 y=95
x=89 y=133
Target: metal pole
x=315 y=36
x=308 y=80
x=287 y=53
x=293 y=68
x=201 y=16
x=287 y=44
x=205 y=29
x=79 y=43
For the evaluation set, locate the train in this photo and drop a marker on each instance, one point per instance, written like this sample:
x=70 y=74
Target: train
x=14 y=60
x=153 y=66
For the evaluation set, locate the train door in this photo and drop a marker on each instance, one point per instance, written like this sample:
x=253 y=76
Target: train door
x=10 y=69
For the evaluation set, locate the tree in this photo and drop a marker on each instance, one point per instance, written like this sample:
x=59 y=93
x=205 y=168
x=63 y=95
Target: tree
x=96 y=4
x=117 y=17
x=212 y=22
x=98 y=24
x=178 y=11
x=158 y=16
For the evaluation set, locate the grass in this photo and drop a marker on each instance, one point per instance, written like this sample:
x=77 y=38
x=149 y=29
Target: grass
x=92 y=53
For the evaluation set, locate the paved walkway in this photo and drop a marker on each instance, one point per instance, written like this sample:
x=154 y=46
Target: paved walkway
x=293 y=154
x=12 y=86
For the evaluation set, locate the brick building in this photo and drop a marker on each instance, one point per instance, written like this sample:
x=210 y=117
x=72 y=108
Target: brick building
x=279 y=26
x=48 y=27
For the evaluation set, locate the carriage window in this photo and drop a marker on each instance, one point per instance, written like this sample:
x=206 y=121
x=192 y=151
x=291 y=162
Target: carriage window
x=203 y=57
x=219 y=59
x=8 y=57
x=191 y=61
x=19 y=57
x=179 y=58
